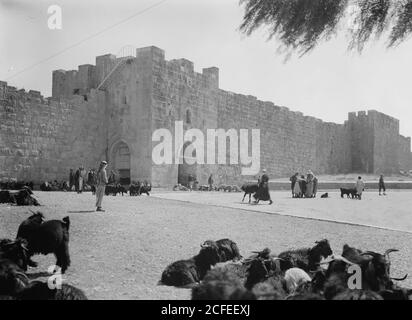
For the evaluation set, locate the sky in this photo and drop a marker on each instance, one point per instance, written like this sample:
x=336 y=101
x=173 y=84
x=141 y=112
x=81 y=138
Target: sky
x=327 y=83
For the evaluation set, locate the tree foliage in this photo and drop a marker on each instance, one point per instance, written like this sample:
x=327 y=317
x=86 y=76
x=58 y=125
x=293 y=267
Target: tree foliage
x=300 y=25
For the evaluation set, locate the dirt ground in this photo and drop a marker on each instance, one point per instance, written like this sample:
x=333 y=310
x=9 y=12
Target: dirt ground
x=120 y=254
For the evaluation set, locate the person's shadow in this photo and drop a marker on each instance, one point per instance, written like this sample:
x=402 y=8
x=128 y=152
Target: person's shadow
x=85 y=211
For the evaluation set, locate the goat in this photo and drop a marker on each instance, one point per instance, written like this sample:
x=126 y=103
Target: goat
x=376 y=271
x=7 y=197
x=47 y=237
x=221 y=284
x=38 y=290
x=228 y=250
x=12 y=278
x=351 y=192
x=294 y=278
x=23 y=198
x=188 y=272
x=307 y=258
x=15 y=251
x=249 y=189
x=264 y=283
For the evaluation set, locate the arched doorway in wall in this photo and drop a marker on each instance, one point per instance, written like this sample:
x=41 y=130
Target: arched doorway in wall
x=185 y=169
x=121 y=162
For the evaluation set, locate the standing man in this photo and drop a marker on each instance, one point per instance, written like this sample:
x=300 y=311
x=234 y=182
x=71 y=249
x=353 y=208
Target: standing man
x=101 y=185
x=382 y=185
x=360 y=186
x=210 y=182
x=263 y=192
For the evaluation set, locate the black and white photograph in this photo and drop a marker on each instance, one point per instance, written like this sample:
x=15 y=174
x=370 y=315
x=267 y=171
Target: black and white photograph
x=218 y=151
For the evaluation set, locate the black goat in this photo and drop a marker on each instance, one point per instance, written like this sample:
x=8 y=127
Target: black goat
x=7 y=197
x=188 y=272
x=15 y=251
x=376 y=271
x=24 y=198
x=228 y=249
x=47 y=237
x=351 y=192
x=145 y=188
x=134 y=189
x=12 y=278
x=308 y=259
x=265 y=284
x=38 y=290
x=249 y=189
x=114 y=189
x=221 y=285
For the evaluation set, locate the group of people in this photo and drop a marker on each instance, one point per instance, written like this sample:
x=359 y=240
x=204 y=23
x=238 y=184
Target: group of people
x=77 y=179
x=80 y=178
x=97 y=179
x=304 y=187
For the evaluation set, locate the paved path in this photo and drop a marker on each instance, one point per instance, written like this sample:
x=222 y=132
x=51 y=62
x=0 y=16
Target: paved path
x=392 y=212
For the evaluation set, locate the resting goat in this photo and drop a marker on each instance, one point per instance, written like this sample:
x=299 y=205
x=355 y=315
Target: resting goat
x=47 y=237
x=188 y=272
x=12 y=279
x=308 y=259
x=228 y=249
x=38 y=290
x=222 y=284
x=15 y=251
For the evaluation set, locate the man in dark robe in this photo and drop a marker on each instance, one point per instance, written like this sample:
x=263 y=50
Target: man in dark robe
x=263 y=192
x=210 y=182
x=302 y=183
x=77 y=181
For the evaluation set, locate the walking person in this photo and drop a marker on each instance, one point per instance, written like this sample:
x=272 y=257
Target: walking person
x=360 y=186
x=101 y=185
x=263 y=192
x=293 y=179
x=382 y=186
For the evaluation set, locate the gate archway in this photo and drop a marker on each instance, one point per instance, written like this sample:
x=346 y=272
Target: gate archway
x=185 y=169
x=121 y=162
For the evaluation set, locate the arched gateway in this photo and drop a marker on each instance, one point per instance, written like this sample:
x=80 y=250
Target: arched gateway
x=185 y=169
x=121 y=162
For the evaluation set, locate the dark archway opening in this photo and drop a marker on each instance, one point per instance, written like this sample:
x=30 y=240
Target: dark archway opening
x=121 y=163
x=185 y=170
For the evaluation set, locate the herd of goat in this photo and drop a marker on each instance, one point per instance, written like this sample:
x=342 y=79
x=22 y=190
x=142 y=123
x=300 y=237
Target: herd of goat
x=35 y=236
x=219 y=272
